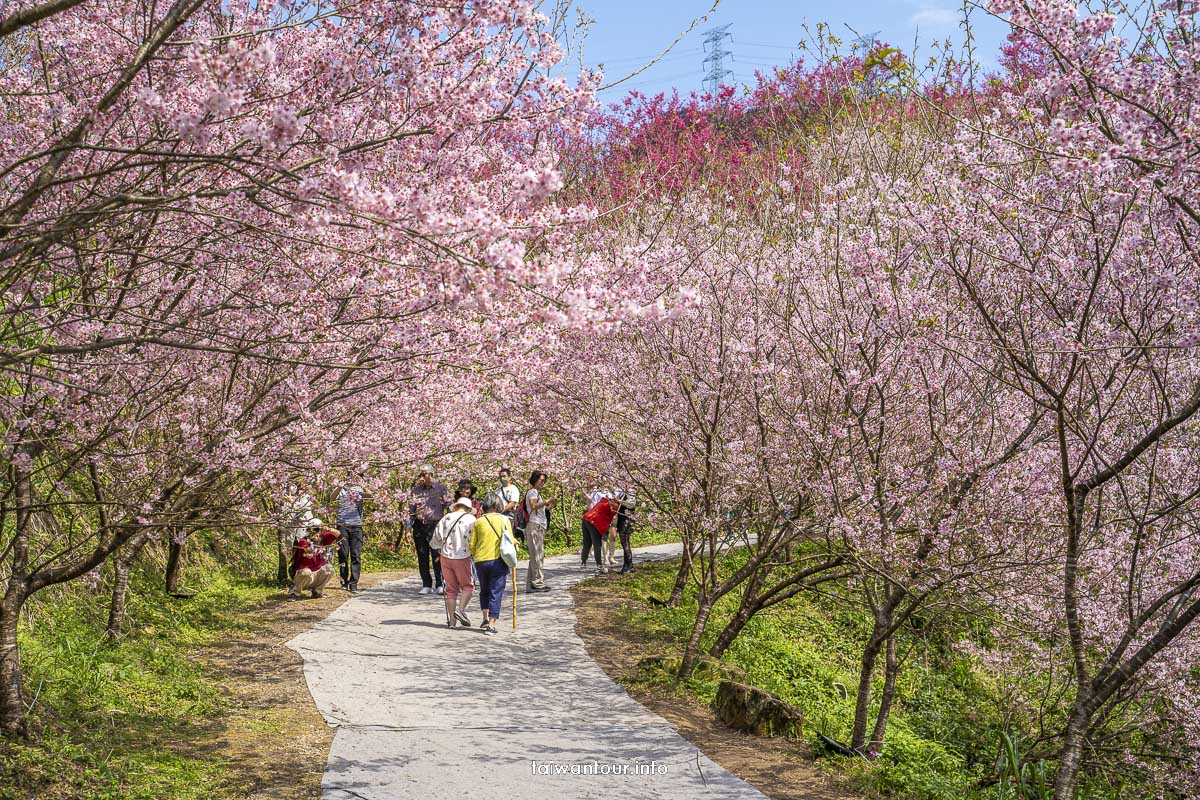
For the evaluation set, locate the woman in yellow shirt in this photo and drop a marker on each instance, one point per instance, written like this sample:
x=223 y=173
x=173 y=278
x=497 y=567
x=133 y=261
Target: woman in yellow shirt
x=489 y=566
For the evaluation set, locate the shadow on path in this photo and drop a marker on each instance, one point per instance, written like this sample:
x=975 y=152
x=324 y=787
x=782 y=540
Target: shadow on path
x=436 y=714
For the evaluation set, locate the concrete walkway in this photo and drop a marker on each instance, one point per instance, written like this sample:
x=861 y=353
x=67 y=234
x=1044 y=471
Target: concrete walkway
x=428 y=713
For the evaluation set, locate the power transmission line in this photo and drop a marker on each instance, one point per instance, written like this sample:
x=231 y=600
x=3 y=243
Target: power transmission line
x=665 y=80
x=764 y=44
x=714 y=46
x=675 y=55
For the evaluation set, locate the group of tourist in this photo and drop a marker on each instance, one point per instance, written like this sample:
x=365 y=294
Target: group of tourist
x=460 y=540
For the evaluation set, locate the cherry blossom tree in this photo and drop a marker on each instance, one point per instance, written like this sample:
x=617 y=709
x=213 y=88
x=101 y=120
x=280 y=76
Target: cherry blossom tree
x=239 y=241
x=1067 y=218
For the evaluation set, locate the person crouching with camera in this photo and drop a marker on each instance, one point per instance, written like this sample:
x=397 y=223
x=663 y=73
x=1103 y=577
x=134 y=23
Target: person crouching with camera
x=311 y=561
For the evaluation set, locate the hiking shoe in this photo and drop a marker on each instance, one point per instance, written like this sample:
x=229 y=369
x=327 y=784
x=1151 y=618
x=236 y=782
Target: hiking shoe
x=626 y=570
x=450 y=623
x=538 y=589
x=603 y=570
x=463 y=618
x=441 y=590
x=317 y=595
x=490 y=630
x=483 y=626
x=352 y=590
x=425 y=590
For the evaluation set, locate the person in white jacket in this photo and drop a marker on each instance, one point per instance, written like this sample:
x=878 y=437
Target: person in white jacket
x=452 y=538
x=291 y=521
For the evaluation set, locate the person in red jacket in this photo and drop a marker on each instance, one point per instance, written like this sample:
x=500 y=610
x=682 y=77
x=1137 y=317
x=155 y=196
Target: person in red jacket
x=596 y=523
x=310 y=560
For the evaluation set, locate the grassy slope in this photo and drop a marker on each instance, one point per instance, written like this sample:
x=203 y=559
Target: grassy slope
x=116 y=721
x=112 y=718
x=944 y=732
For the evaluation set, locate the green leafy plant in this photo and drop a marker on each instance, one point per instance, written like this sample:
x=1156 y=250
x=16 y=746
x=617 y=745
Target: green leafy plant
x=1021 y=779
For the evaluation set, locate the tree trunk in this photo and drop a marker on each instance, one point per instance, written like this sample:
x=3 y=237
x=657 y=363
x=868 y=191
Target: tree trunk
x=681 y=578
x=891 y=667
x=175 y=556
x=692 y=651
x=122 y=561
x=732 y=629
x=283 y=555
x=1067 y=775
x=12 y=696
x=116 y=606
x=12 y=688
x=862 y=706
x=566 y=528
x=397 y=543
x=755 y=601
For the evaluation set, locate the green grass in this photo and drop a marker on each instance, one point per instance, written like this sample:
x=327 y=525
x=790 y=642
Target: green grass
x=376 y=559
x=945 y=729
x=116 y=720
x=112 y=716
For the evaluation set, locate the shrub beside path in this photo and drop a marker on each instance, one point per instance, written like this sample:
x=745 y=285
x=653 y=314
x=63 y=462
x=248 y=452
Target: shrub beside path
x=422 y=711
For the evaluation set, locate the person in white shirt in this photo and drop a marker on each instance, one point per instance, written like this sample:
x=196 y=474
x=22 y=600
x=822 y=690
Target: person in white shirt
x=452 y=538
x=535 y=532
x=510 y=493
x=294 y=510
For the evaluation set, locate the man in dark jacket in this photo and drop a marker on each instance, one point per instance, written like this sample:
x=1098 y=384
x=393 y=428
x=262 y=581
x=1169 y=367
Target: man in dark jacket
x=430 y=499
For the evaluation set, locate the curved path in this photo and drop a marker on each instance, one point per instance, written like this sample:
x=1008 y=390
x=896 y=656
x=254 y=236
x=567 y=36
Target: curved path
x=428 y=713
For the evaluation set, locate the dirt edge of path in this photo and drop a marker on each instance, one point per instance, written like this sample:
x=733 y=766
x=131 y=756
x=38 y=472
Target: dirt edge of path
x=779 y=768
x=272 y=739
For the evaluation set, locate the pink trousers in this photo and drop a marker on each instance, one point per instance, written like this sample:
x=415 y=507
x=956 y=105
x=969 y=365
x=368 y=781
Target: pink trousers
x=458 y=577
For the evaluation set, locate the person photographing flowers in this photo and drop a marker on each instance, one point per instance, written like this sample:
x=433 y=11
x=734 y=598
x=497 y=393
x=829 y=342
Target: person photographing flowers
x=535 y=532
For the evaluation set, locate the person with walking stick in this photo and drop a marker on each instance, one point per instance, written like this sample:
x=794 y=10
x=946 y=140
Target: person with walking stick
x=452 y=538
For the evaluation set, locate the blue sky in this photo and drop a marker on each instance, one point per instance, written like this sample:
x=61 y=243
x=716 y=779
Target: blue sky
x=628 y=33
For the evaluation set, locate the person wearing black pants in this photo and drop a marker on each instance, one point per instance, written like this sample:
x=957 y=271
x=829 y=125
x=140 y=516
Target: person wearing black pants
x=592 y=540
x=430 y=499
x=596 y=525
x=349 y=524
x=422 y=533
x=625 y=531
x=349 y=553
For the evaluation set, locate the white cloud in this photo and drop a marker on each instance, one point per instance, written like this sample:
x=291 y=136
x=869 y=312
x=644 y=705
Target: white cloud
x=934 y=17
